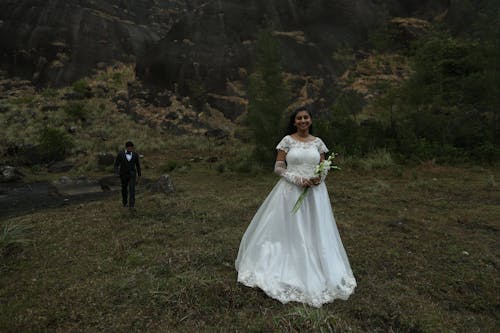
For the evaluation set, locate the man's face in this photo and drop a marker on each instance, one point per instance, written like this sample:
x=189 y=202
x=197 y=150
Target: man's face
x=130 y=148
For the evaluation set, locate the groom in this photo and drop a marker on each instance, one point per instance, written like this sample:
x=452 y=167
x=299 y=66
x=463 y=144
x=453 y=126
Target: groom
x=126 y=165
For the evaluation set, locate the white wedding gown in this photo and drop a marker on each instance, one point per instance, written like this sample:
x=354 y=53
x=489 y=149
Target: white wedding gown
x=296 y=257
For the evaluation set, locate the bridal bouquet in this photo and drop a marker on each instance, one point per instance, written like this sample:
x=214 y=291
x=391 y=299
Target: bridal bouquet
x=320 y=171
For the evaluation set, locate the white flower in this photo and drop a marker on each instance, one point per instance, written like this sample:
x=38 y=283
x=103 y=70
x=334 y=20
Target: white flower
x=320 y=170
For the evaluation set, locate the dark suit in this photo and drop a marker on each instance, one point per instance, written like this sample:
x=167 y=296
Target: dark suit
x=127 y=171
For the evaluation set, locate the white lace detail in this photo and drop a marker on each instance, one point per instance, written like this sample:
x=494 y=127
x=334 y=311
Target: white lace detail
x=288 y=142
x=321 y=146
x=285 y=293
x=281 y=170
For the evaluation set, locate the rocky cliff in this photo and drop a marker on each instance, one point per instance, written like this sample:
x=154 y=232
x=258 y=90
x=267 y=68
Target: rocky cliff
x=54 y=42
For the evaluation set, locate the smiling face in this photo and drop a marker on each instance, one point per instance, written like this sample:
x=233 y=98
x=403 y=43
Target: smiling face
x=303 y=121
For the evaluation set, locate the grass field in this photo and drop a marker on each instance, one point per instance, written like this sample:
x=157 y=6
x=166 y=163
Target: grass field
x=422 y=242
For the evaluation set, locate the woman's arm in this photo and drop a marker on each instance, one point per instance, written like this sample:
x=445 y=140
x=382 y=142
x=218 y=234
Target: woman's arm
x=281 y=170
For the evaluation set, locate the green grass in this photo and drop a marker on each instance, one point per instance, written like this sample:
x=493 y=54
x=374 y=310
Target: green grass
x=422 y=244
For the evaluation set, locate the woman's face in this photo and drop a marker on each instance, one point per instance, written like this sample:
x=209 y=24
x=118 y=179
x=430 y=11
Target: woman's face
x=302 y=120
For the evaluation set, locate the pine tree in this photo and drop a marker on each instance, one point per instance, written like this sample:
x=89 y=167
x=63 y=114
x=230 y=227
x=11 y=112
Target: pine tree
x=268 y=98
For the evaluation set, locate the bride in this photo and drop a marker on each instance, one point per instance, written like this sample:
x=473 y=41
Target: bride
x=296 y=256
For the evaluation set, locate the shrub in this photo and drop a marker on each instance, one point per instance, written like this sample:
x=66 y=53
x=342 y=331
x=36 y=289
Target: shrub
x=55 y=144
x=80 y=87
x=76 y=110
x=49 y=92
x=169 y=166
x=243 y=163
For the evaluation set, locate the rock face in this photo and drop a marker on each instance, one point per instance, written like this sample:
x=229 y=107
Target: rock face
x=59 y=41
x=212 y=43
x=210 y=47
x=56 y=42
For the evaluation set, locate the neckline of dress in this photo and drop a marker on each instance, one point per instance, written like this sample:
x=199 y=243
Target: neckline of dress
x=296 y=140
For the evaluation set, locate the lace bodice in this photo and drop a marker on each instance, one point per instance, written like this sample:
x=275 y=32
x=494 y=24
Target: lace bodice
x=302 y=157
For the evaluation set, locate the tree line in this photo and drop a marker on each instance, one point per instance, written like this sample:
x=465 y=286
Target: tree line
x=448 y=110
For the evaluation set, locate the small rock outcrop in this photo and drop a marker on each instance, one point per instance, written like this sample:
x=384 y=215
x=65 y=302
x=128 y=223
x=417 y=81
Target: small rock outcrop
x=164 y=184
x=105 y=159
x=9 y=174
x=60 y=166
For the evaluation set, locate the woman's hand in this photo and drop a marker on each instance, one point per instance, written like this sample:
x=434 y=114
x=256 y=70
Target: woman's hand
x=308 y=182
x=315 y=181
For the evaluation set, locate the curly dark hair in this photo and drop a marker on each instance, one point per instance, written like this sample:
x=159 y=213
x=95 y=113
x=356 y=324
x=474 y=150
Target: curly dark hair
x=291 y=123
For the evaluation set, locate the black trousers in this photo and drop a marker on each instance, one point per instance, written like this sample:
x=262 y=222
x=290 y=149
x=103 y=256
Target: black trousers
x=128 y=190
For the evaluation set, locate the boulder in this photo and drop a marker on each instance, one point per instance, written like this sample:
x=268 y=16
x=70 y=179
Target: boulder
x=73 y=95
x=231 y=106
x=164 y=184
x=26 y=154
x=60 y=166
x=217 y=134
x=9 y=174
x=109 y=182
x=105 y=159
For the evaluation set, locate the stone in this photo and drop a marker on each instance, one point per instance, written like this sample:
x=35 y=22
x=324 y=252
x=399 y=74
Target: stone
x=105 y=159
x=217 y=133
x=231 y=106
x=60 y=166
x=26 y=154
x=164 y=184
x=9 y=174
x=78 y=181
x=73 y=95
x=109 y=182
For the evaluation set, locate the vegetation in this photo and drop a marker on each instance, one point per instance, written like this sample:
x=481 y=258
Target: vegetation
x=447 y=111
x=76 y=110
x=422 y=250
x=13 y=237
x=268 y=98
x=81 y=87
x=55 y=144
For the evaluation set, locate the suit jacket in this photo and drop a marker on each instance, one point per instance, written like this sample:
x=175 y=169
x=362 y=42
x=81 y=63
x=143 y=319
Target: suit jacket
x=125 y=168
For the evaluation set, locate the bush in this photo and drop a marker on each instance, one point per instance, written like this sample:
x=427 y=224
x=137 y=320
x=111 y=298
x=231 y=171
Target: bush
x=243 y=163
x=49 y=92
x=80 y=87
x=76 y=110
x=55 y=144
x=169 y=166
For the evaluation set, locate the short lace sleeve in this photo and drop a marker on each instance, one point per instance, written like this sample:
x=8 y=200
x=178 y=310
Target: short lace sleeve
x=284 y=144
x=321 y=146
